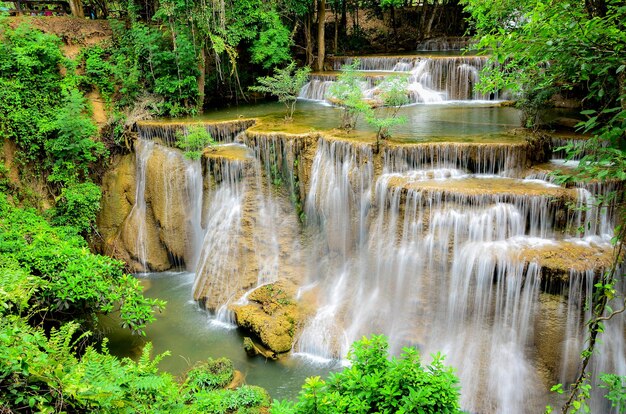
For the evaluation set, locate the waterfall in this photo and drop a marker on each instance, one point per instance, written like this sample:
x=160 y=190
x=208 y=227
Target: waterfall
x=143 y=150
x=340 y=184
x=165 y=132
x=436 y=254
x=431 y=79
x=217 y=273
x=449 y=247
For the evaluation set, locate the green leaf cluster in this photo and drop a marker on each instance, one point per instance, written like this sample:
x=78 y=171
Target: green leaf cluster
x=193 y=141
x=376 y=384
x=285 y=85
x=347 y=93
x=65 y=281
x=43 y=373
x=393 y=95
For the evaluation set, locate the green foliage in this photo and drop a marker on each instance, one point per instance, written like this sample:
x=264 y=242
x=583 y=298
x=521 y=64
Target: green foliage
x=145 y=59
x=44 y=374
x=243 y=400
x=193 y=141
x=210 y=375
x=616 y=390
x=376 y=384
x=99 y=71
x=285 y=85
x=5 y=182
x=392 y=96
x=78 y=205
x=69 y=282
x=272 y=46
x=47 y=117
x=30 y=86
x=70 y=146
x=346 y=92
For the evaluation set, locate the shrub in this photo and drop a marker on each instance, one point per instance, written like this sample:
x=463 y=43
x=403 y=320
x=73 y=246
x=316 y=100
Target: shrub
x=77 y=206
x=71 y=282
x=210 y=375
x=285 y=85
x=346 y=92
x=376 y=384
x=194 y=141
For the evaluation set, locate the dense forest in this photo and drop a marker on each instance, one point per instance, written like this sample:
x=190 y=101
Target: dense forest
x=182 y=58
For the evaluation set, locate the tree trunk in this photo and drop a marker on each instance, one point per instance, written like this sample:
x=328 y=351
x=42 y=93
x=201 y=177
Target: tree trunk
x=77 y=8
x=393 y=22
x=308 y=38
x=201 y=80
x=344 y=17
x=422 y=25
x=429 y=26
x=336 y=32
x=321 y=46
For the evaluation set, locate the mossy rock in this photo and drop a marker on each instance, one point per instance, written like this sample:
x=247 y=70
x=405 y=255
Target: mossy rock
x=210 y=375
x=272 y=315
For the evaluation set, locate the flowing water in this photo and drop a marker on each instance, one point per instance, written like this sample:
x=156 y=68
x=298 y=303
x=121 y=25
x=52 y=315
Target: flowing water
x=436 y=242
x=431 y=79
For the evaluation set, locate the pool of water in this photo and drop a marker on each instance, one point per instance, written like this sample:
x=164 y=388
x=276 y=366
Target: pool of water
x=459 y=121
x=186 y=331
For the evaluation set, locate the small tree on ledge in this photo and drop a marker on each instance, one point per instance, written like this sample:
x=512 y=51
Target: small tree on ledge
x=285 y=85
x=393 y=95
x=346 y=92
x=194 y=141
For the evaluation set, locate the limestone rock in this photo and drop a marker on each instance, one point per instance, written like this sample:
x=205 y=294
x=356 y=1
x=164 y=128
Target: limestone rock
x=272 y=315
x=118 y=196
x=156 y=254
x=166 y=194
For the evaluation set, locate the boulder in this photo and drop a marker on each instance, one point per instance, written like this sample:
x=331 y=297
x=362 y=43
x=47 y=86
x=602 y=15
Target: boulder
x=272 y=315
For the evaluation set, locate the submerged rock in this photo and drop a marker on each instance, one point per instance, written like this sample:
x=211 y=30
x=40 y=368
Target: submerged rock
x=272 y=315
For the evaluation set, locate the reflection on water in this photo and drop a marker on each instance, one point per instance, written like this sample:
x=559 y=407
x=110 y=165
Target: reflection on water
x=461 y=121
x=186 y=331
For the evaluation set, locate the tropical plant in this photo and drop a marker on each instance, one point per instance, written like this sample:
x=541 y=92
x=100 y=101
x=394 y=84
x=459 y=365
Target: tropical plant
x=285 y=85
x=347 y=93
x=69 y=282
x=393 y=94
x=194 y=140
x=376 y=384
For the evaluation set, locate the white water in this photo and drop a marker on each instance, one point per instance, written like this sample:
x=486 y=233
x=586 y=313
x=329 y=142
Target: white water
x=437 y=269
x=432 y=267
x=430 y=79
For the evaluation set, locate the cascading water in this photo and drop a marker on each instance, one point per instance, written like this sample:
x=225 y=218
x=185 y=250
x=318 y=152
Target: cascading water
x=436 y=245
x=430 y=79
x=436 y=261
x=143 y=150
x=218 y=273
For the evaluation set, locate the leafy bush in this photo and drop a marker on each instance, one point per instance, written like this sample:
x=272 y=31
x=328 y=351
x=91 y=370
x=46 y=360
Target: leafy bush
x=346 y=92
x=71 y=147
x=376 y=384
x=71 y=282
x=393 y=94
x=194 y=141
x=210 y=374
x=285 y=85
x=30 y=86
x=244 y=400
x=78 y=206
x=42 y=373
x=272 y=46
